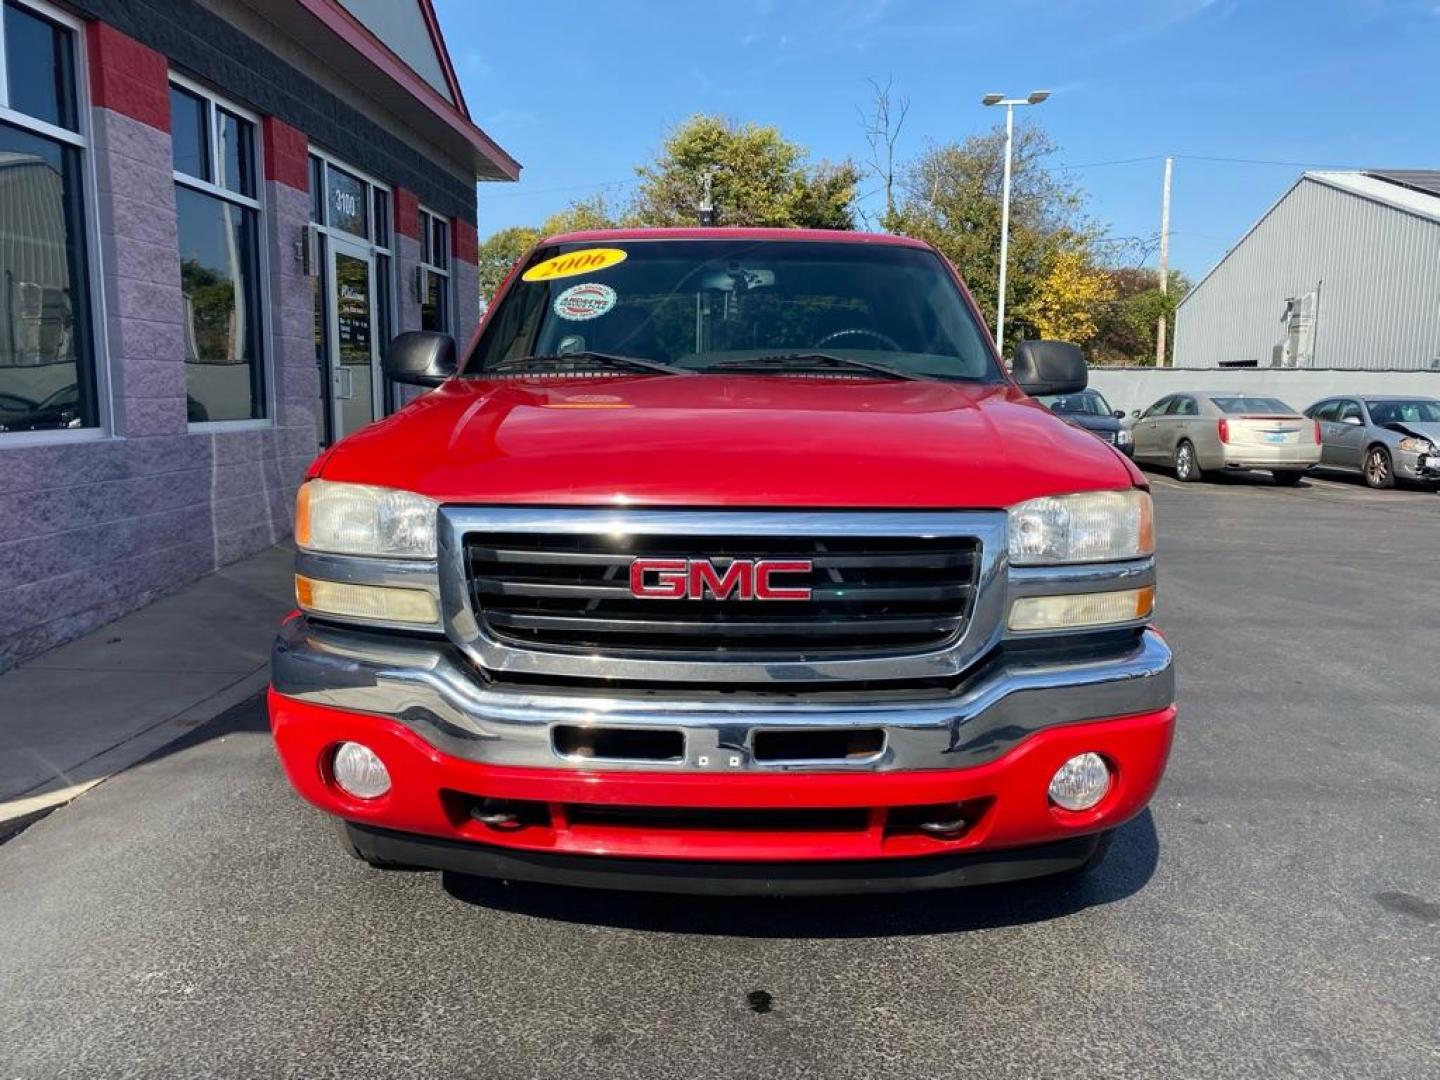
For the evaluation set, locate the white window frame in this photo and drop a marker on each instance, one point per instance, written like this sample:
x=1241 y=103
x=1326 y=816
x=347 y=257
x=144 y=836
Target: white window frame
x=392 y=301
x=429 y=266
x=95 y=285
x=214 y=101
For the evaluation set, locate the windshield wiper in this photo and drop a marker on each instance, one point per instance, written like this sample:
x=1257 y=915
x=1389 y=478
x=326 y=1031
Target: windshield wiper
x=588 y=356
x=814 y=360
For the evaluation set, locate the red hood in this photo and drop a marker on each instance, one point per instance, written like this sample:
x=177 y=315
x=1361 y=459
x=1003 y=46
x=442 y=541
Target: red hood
x=710 y=440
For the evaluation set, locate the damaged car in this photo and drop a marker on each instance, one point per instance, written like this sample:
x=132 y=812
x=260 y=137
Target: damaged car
x=1383 y=437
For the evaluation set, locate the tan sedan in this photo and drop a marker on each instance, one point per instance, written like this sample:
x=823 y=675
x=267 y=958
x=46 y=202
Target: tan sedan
x=1206 y=431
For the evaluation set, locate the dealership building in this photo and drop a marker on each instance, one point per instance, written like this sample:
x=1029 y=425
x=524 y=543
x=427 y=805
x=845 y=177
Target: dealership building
x=213 y=216
x=1341 y=274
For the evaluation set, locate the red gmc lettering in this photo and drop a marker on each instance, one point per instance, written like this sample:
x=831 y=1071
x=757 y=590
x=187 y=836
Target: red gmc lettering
x=764 y=590
x=669 y=578
x=701 y=579
x=738 y=577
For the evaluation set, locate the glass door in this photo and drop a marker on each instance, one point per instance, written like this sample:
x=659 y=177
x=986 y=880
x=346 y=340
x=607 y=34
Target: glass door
x=355 y=380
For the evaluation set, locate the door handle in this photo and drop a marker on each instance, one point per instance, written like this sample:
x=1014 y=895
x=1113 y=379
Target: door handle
x=344 y=384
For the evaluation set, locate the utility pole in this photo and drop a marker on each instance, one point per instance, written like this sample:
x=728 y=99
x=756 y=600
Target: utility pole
x=1160 y=357
x=1035 y=98
x=707 y=202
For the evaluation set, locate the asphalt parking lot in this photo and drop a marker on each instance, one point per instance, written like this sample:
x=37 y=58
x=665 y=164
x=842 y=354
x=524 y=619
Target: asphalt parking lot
x=1276 y=913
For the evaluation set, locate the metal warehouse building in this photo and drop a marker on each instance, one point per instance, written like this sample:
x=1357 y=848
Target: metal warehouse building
x=1342 y=273
x=213 y=216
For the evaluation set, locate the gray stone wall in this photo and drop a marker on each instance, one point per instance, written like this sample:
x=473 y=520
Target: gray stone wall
x=94 y=529
x=465 y=277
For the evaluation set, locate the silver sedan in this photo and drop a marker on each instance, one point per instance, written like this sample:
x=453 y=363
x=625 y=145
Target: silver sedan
x=1217 y=430
x=1384 y=437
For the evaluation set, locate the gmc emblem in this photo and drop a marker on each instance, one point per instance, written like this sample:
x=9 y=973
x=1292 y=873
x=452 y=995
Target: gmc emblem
x=701 y=579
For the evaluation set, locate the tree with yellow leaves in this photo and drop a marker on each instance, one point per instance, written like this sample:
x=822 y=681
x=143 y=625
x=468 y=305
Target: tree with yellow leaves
x=1071 y=298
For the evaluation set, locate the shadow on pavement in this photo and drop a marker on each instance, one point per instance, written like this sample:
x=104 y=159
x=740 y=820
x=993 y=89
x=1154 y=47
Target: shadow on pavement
x=1129 y=865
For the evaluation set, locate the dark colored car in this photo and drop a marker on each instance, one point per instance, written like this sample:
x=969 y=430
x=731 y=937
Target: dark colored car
x=1089 y=410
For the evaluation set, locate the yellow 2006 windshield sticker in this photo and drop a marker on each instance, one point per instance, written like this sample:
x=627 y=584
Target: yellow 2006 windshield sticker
x=574 y=262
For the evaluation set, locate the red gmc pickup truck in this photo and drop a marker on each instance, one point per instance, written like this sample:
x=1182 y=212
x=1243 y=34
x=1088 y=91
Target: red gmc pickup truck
x=726 y=561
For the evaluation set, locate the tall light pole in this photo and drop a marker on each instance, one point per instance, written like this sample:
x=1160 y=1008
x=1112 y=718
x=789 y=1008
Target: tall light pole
x=1035 y=98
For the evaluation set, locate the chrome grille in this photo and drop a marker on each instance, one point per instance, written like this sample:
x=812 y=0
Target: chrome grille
x=870 y=595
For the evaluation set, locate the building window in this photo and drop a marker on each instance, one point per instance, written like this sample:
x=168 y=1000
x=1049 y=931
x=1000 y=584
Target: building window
x=434 y=272
x=47 y=359
x=219 y=228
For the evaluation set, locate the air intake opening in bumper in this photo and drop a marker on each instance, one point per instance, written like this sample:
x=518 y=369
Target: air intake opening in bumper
x=618 y=744
x=842 y=745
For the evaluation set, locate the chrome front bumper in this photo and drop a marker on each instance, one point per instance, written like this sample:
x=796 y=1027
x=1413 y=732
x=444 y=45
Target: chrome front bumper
x=432 y=688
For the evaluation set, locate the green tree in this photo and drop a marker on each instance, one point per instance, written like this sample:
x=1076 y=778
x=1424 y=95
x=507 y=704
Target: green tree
x=500 y=250
x=1126 y=327
x=758 y=178
x=951 y=197
x=497 y=254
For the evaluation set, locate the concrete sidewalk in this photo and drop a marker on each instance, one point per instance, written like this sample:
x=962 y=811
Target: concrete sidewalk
x=78 y=714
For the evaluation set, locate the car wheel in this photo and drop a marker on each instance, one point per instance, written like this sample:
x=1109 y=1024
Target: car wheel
x=1187 y=468
x=1379 y=471
x=1287 y=477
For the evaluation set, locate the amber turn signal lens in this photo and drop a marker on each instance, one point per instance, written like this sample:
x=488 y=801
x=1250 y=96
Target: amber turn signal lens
x=1147 y=529
x=302 y=516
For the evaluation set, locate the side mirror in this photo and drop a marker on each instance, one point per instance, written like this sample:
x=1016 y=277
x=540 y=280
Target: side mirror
x=1353 y=421
x=1050 y=367
x=1134 y=414
x=420 y=358
x=1119 y=414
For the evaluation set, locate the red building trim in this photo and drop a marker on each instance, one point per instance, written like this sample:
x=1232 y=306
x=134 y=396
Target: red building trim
x=127 y=77
x=287 y=154
x=464 y=241
x=407 y=213
x=350 y=30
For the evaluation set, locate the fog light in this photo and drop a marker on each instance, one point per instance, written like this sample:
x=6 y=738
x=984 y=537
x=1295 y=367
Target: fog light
x=1082 y=609
x=383 y=603
x=360 y=772
x=1080 y=783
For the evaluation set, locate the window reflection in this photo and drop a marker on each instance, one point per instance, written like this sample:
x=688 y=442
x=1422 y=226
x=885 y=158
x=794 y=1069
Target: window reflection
x=45 y=368
x=189 y=137
x=237 y=173
x=219 y=279
x=38 y=74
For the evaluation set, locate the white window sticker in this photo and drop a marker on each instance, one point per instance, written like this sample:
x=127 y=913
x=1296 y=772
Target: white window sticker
x=588 y=300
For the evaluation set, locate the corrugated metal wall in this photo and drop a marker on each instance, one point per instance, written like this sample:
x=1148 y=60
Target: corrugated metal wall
x=1379 y=306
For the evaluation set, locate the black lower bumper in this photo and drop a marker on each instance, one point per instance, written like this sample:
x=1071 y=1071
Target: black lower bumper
x=725 y=878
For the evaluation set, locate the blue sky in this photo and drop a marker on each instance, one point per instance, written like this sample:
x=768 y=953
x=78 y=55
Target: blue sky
x=582 y=90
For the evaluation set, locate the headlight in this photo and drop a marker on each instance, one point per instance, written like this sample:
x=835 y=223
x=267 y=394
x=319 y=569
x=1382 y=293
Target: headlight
x=1417 y=446
x=1123 y=438
x=1093 y=526
x=357 y=519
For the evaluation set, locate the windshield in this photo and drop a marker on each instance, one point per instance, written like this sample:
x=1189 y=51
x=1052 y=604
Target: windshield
x=708 y=304
x=1085 y=403
x=1416 y=411
x=1241 y=404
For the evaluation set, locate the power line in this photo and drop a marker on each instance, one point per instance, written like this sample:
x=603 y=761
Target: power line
x=518 y=190
x=1117 y=161
x=1261 y=161
x=1212 y=158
